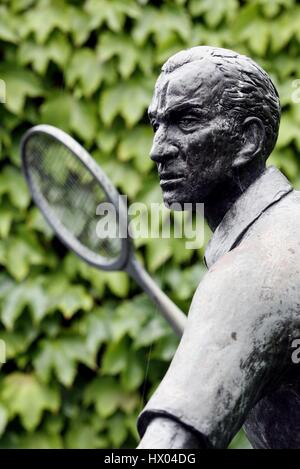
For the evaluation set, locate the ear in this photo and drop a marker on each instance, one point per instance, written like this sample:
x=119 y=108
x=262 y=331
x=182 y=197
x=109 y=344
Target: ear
x=252 y=137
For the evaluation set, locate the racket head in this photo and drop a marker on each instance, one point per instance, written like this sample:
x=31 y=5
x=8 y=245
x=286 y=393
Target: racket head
x=47 y=154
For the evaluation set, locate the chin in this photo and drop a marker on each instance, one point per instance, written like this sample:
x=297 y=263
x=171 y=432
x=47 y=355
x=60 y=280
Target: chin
x=172 y=198
x=181 y=198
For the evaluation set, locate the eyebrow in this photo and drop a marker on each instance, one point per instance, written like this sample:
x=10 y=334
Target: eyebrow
x=177 y=108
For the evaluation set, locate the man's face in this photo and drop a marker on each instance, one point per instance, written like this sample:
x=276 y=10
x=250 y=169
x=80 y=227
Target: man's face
x=192 y=144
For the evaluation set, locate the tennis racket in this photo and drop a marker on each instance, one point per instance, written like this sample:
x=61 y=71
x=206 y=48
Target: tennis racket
x=67 y=185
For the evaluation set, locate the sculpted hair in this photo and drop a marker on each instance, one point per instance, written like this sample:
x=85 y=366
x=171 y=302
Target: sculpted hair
x=248 y=89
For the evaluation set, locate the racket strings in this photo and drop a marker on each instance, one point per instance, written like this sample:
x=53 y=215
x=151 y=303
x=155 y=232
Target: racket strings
x=70 y=191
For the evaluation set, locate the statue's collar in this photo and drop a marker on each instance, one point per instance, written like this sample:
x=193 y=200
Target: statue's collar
x=270 y=187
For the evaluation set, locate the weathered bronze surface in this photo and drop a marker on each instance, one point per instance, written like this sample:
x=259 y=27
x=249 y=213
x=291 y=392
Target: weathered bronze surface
x=216 y=116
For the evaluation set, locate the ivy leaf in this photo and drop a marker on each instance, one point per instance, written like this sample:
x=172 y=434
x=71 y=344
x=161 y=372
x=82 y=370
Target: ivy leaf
x=49 y=114
x=86 y=70
x=6 y=284
x=124 y=177
x=158 y=252
x=137 y=144
x=105 y=393
x=214 y=12
x=111 y=45
x=67 y=298
x=3 y=418
x=178 y=245
x=250 y=27
x=39 y=440
x=286 y=25
x=6 y=218
x=20 y=5
x=115 y=358
x=83 y=436
x=44 y=18
x=117 y=430
x=73 y=299
x=13 y=184
x=20 y=83
x=258 y=35
x=128 y=99
x=130 y=317
x=154 y=330
x=83 y=120
x=246 y=16
x=18 y=341
x=118 y=283
x=96 y=330
x=113 y=13
x=62 y=356
x=26 y=294
x=24 y=396
x=271 y=9
x=288 y=131
x=57 y=49
x=285 y=161
x=107 y=396
x=133 y=374
x=19 y=254
x=80 y=25
x=8 y=31
x=74 y=267
x=162 y=24
x=184 y=283
x=36 y=222
x=76 y=115
x=165 y=348
x=106 y=139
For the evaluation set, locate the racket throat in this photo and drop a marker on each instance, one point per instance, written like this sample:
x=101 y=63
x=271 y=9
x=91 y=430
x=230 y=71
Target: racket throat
x=175 y=317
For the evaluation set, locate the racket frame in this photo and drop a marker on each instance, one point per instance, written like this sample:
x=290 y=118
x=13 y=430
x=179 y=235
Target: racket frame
x=126 y=260
x=108 y=188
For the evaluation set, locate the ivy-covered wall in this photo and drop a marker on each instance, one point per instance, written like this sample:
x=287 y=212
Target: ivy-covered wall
x=85 y=348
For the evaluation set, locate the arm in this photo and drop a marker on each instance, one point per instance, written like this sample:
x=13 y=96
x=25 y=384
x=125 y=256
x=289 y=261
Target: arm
x=164 y=433
x=234 y=344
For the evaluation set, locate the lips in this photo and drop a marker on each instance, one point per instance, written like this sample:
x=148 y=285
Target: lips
x=170 y=179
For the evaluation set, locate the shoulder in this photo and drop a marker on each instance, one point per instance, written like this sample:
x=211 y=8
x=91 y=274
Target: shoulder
x=274 y=237
x=266 y=263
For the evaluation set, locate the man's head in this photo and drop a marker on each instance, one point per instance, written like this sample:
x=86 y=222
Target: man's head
x=213 y=111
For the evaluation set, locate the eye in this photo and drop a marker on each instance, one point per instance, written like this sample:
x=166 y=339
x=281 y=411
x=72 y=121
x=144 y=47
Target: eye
x=155 y=126
x=188 y=122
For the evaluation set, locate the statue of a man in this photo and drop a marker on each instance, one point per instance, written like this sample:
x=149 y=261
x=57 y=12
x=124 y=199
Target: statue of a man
x=216 y=116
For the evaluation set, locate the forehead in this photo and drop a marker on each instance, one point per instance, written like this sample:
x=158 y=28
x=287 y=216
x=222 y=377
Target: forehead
x=198 y=83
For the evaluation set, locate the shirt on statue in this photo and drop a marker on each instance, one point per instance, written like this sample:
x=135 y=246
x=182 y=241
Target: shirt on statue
x=236 y=350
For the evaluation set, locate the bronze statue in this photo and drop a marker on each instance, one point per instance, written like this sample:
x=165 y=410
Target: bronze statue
x=216 y=116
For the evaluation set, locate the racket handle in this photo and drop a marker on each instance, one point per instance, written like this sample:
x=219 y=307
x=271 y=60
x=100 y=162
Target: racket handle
x=175 y=317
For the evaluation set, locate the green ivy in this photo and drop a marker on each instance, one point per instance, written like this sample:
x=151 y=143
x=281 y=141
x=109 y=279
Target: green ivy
x=86 y=348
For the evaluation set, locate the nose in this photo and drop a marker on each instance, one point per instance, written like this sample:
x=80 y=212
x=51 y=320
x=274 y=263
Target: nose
x=162 y=150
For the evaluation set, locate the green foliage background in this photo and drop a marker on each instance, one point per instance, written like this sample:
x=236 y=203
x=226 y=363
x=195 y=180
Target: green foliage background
x=86 y=348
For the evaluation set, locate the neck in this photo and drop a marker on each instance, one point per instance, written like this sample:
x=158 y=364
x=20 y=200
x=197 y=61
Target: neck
x=227 y=193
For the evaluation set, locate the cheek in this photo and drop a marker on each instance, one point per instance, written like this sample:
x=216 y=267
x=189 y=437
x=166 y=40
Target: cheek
x=201 y=149
x=207 y=150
